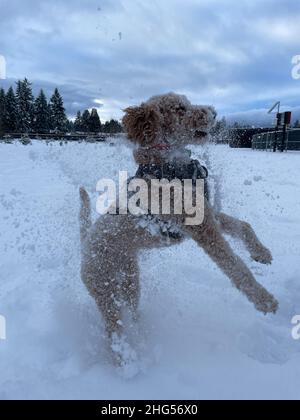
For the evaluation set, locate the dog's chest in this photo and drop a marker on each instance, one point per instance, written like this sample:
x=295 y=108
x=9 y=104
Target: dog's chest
x=190 y=170
x=176 y=170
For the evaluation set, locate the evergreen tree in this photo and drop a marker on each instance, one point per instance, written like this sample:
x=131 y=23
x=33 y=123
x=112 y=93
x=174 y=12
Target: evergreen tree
x=78 y=122
x=24 y=106
x=41 y=114
x=86 y=121
x=11 y=111
x=223 y=124
x=50 y=116
x=70 y=126
x=112 y=127
x=94 y=123
x=57 y=112
x=116 y=127
x=2 y=112
x=220 y=126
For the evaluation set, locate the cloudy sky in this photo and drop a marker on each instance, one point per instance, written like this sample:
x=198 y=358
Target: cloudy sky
x=110 y=54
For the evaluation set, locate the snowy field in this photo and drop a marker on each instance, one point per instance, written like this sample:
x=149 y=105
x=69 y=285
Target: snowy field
x=199 y=338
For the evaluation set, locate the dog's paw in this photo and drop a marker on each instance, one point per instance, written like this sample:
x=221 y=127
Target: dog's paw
x=125 y=357
x=266 y=303
x=262 y=255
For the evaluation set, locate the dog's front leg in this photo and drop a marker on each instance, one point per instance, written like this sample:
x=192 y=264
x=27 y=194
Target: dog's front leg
x=244 y=231
x=209 y=237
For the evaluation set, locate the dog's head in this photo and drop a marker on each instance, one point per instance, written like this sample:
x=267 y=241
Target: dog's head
x=169 y=119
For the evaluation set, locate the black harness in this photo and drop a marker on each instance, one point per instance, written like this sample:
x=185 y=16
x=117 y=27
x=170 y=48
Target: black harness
x=192 y=170
x=176 y=170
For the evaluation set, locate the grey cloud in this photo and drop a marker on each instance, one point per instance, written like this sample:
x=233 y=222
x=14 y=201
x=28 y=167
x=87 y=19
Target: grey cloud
x=227 y=53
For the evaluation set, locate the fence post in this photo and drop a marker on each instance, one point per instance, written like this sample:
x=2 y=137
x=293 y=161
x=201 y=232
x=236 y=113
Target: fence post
x=287 y=140
x=283 y=143
x=275 y=139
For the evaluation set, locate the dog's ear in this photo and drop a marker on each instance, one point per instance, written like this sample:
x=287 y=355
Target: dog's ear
x=142 y=124
x=201 y=117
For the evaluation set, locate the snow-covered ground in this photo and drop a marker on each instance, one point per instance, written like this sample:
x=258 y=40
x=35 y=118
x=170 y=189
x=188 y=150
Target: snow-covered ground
x=200 y=337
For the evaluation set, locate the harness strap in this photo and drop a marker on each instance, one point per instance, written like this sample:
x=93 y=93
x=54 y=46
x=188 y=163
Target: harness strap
x=192 y=170
x=170 y=171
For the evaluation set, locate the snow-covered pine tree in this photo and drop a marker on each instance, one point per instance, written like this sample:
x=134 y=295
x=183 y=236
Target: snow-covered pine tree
x=86 y=121
x=24 y=99
x=78 y=122
x=95 y=123
x=11 y=111
x=2 y=112
x=58 y=118
x=41 y=114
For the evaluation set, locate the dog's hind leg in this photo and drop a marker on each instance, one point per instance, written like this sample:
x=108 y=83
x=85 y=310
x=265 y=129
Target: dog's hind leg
x=244 y=231
x=106 y=288
x=103 y=287
x=210 y=238
x=110 y=273
x=121 y=350
x=131 y=285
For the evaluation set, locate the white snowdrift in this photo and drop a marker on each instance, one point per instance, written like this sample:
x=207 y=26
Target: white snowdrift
x=199 y=338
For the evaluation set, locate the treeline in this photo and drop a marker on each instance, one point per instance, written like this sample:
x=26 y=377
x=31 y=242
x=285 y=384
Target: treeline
x=89 y=122
x=21 y=112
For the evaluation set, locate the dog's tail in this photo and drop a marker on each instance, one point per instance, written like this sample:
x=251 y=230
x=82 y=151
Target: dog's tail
x=85 y=218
